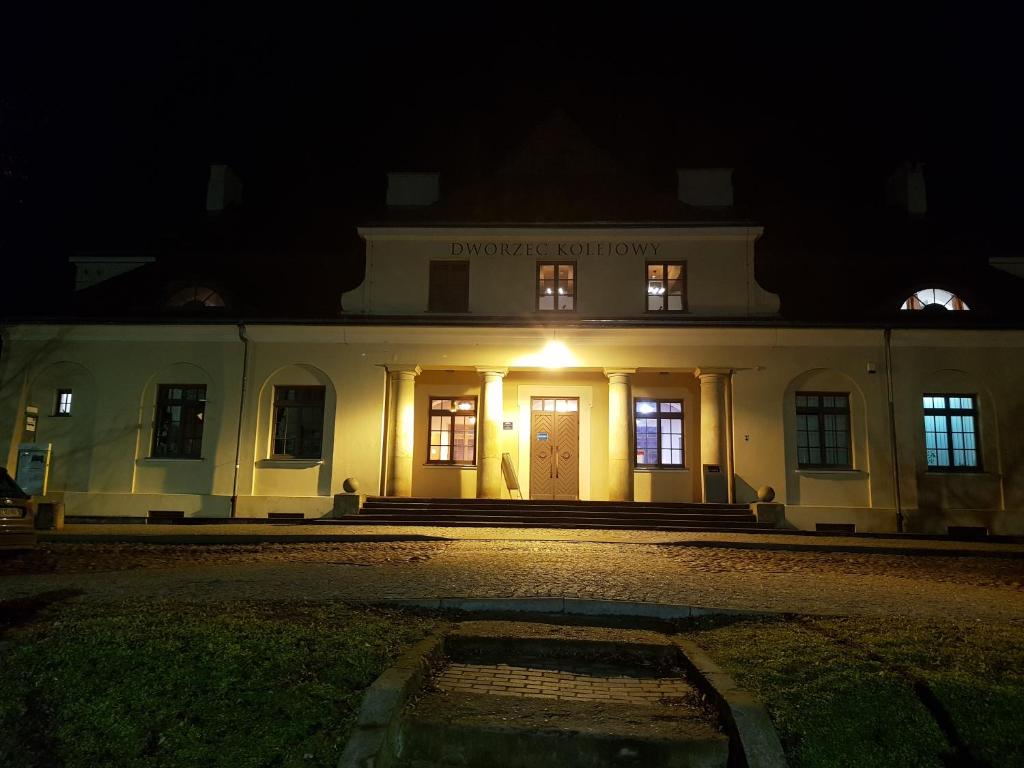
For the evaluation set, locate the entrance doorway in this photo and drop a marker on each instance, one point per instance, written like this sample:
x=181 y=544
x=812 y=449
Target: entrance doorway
x=554 y=448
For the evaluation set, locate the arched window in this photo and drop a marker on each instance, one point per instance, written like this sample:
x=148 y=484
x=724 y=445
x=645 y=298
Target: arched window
x=195 y=297
x=937 y=297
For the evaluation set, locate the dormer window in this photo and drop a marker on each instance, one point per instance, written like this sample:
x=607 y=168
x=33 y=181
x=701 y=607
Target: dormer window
x=195 y=297
x=935 y=297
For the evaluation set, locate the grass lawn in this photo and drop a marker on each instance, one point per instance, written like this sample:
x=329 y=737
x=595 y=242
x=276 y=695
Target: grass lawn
x=873 y=692
x=172 y=684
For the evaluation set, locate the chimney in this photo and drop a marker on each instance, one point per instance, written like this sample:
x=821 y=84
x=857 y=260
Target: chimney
x=223 y=189
x=413 y=189
x=905 y=189
x=706 y=187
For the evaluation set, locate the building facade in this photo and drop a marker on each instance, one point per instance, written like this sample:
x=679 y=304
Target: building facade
x=638 y=362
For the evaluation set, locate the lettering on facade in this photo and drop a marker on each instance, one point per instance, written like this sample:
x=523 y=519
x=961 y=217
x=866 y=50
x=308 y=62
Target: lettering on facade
x=545 y=250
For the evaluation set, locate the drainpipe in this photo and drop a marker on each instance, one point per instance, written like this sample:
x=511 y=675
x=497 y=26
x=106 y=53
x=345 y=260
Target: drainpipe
x=241 y=408
x=892 y=430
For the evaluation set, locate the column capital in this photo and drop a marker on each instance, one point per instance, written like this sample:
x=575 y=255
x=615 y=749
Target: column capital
x=609 y=372
x=404 y=371
x=492 y=370
x=700 y=373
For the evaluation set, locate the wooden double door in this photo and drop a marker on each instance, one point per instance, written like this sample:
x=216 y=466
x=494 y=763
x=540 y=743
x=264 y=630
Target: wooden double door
x=555 y=448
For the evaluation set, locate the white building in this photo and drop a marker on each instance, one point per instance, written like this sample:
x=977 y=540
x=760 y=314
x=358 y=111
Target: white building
x=610 y=361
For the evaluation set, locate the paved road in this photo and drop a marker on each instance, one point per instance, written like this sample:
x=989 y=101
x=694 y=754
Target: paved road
x=702 y=572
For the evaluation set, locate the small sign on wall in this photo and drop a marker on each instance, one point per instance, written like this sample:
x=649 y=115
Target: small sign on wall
x=507 y=426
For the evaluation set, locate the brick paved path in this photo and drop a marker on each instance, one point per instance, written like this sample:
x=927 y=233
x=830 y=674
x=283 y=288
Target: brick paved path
x=720 y=576
x=561 y=684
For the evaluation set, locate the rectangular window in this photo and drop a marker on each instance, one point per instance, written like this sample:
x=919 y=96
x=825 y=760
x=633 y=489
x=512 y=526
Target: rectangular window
x=298 y=422
x=452 y=430
x=178 y=430
x=449 y=286
x=659 y=433
x=823 y=430
x=666 y=287
x=62 y=403
x=951 y=433
x=556 y=287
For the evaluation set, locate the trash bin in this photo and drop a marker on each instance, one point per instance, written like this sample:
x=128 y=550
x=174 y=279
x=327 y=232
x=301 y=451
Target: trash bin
x=50 y=516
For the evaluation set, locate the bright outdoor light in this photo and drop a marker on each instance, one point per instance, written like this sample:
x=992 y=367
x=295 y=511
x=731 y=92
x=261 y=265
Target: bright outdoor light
x=555 y=355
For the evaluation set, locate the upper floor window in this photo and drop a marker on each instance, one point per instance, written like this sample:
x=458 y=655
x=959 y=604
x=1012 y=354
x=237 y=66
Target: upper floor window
x=666 y=287
x=659 y=433
x=556 y=286
x=823 y=430
x=178 y=430
x=935 y=297
x=449 y=286
x=452 y=430
x=195 y=297
x=298 y=422
x=62 y=403
x=950 y=432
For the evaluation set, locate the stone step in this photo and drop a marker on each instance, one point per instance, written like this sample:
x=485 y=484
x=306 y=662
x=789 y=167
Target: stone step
x=565 y=503
x=580 y=513
x=518 y=694
x=555 y=516
x=426 y=520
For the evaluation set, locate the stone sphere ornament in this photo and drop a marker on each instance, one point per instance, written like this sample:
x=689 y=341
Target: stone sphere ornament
x=351 y=485
x=765 y=493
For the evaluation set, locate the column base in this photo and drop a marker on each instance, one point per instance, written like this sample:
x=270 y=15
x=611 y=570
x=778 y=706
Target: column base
x=770 y=512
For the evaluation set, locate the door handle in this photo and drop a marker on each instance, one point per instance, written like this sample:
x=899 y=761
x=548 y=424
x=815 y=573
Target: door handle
x=556 y=461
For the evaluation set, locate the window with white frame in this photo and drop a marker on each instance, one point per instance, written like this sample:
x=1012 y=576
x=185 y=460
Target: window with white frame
x=62 y=403
x=659 y=433
x=951 y=433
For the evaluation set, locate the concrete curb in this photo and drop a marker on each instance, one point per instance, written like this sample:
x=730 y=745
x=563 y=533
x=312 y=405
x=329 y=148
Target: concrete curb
x=376 y=739
x=758 y=742
x=226 y=538
x=564 y=605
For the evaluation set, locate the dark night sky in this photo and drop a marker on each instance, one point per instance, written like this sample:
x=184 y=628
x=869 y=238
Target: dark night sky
x=109 y=122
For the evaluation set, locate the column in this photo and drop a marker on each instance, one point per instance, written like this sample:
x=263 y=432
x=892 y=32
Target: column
x=714 y=420
x=488 y=449
x=620 y=434
x=403 y=400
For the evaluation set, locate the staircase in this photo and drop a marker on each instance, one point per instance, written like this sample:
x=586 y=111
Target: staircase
x=509 y=513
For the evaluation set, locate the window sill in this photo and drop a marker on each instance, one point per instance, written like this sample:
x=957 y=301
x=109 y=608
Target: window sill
x=661 y=469
x=958 y=473
x=840 y=472
x=289 y=463
x=167 y=460
x=437 y=465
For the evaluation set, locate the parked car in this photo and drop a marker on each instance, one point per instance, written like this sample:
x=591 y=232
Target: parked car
x=17 y=517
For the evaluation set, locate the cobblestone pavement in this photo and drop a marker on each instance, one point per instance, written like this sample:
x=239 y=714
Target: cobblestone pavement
x=57 y=557
x=564 y=685
x=347 y=532
x=716 y=576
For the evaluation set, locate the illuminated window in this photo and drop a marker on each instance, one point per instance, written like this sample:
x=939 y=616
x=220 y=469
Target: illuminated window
x=556 y=287
x=452 y=431
x=62 y=403
x=935 y=297
x=823 y=430
x=666 y=287
x=195 y=297
x=555 y=404
x=298 y=422
x=950 y=433
x=659 y=433
x=178 y=429
x=449 y=286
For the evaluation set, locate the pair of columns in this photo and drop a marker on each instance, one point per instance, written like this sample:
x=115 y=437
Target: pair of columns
x=713 y=428
x=488 y=449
